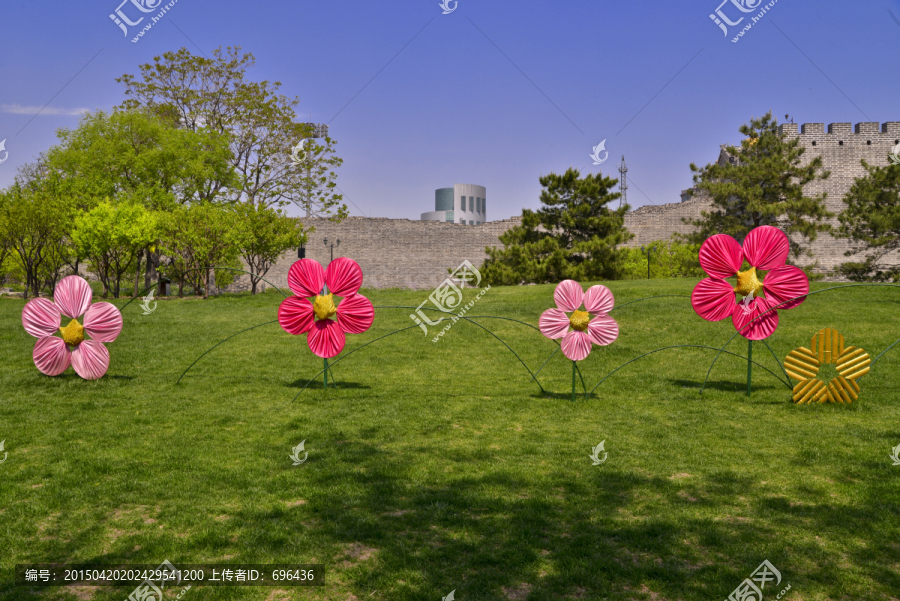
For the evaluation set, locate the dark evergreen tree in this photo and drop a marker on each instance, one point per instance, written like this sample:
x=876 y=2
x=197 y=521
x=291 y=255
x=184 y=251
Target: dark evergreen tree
x=574 y=235
x=761 y=183
x=871 y=222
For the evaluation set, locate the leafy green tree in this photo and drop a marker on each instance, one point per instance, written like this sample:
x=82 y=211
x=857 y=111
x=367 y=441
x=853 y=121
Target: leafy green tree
x=195 y=239
x=40 y=180
x=137 y=156
x=668 y=259
x=113 y=237
x=574 y=235
x=263 y=235
x=197 y=92
x=871 y=222
x=6 y=245
x=134 y=156
x=761 y=183
x=35 y=225
x=314 y=164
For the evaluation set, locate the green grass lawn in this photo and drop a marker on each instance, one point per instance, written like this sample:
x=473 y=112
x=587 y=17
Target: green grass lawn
x=441 y=466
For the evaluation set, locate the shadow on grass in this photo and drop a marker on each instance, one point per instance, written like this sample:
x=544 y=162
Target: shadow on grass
x=318 y=384
x=727 y=385
x=497 y=534
x=565 y=396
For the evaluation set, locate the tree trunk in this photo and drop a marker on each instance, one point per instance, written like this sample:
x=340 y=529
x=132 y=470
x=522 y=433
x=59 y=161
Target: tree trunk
x=181 y=288
x=253 y=282
x=206 y=283
x=150 y=268
x=137 y=274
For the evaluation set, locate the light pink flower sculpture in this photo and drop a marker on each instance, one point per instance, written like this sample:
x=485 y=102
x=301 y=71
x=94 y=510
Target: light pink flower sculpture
x=297 y=315
x=53 y=355
x=721 y=256
x=602 y=329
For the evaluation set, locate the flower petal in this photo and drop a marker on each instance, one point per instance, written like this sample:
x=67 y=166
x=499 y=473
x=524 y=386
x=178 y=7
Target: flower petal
x=90 y=360
x=721 y=256
x=766 y=247
x=355 y=314
x=713 y=299
x=296 y=315
x=103 y=322
x=553 y=324
x=760 y=328
x=576 y=345
x=73 y=296
x=603 y=330
x=343 y=276
x=326 y=339
x=306 y=277
x=51 y=355
x=784 y=283
x=41 y=317
x=568 y=295
x=599 y=300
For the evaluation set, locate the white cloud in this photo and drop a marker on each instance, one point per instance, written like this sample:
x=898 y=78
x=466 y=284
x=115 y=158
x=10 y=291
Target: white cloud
x=18 y=109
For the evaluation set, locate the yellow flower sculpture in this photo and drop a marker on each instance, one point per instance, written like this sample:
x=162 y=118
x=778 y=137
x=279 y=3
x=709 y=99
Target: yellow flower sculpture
x=803 y=365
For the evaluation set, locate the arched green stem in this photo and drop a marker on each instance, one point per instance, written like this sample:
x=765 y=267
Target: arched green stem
x=775 y=307
x=712 y=348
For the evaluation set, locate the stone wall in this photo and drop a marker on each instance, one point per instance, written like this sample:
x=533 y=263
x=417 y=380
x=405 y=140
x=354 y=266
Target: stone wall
x=400 y=253
x=393 y=253
x=659 y=222
x=842 y=147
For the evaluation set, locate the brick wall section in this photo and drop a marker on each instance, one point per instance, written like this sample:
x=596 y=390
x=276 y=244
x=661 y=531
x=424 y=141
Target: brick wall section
x=393 y=253
x=400 y=253
x=659 y=222
x=842 y=147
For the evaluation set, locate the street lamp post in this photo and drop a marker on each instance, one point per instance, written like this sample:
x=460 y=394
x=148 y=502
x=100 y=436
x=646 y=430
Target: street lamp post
x=332 y=245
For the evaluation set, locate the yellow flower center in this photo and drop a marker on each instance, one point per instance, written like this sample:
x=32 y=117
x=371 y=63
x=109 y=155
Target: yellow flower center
x=73 y=334
x=324 y=306
x=747 y=282
x=579 y=320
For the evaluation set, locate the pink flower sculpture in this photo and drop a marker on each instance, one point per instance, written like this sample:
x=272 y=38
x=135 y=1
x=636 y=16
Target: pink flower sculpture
x=53 y=355
x=721 y=256
x=602 y=329
x=300 y=315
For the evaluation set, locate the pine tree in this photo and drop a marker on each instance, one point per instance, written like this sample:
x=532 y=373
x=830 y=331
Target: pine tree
x=574 y=235
x=761 y=183
x=871 y=221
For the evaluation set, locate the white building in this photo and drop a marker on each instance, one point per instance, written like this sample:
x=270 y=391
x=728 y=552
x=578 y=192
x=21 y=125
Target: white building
x=463 y=203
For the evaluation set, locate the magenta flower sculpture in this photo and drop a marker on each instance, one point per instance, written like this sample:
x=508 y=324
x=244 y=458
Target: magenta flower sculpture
x=765 y=248
x=589 y=327
x=102 y=322
x=314 y=312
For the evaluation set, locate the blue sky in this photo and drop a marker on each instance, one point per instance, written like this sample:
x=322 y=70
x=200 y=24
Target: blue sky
x=494 y=93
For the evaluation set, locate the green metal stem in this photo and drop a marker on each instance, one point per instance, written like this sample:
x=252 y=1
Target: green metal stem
x=712 y=348
x=783 y=370
x=325 y=373
x=749 y=364
x=648 y=298
x=220 y=343
x=775 y=307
